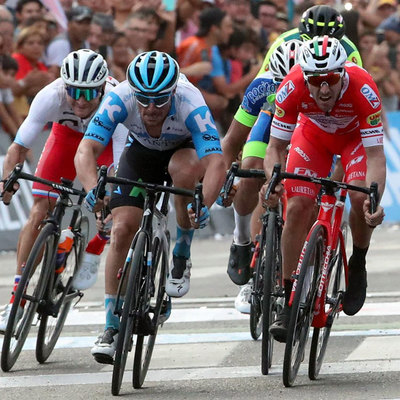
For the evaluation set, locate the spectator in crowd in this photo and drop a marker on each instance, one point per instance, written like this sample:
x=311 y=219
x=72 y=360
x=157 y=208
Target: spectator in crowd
x=120 y=11
x=240 y=12
x=66 y=5
x=121 y=56
x=6 y=29
x=26 y=9
x=136 y=30
x=215 y=28
x=373 y=12
x=9 y=118
x=267 y=16
x=390 y=29
x=79 y=19
x=95 y=38
x=29 y=51
x=97 y=6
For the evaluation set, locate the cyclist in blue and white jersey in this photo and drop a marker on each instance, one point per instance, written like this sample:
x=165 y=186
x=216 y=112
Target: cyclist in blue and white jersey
x=171 y=130
x=253 y=120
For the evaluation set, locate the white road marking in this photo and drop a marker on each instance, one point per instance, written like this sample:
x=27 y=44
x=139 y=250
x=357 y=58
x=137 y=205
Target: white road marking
x=76 y=342
x=376 y=348
x=181 y=374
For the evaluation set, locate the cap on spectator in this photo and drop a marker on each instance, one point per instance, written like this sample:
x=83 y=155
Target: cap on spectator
x=212 y=2
x=79 y=13
x=392 y=3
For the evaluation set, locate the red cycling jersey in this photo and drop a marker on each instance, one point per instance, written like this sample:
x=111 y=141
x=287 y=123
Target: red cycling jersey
x=353 y=124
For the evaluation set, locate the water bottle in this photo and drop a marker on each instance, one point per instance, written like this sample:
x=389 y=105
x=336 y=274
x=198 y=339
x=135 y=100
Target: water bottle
x=64 y=247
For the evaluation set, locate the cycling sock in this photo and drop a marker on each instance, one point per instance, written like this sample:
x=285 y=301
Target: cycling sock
x=17 y=278
x=241 y=234
x=112 y=320
x=183 y=242
x=357 y=259
x=96 y=245
x=288 y=284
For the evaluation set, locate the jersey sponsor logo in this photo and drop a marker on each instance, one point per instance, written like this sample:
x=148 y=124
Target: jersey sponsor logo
x=303 y=190
x=303 y=155
x=371 y=96
x=281 y=125
x=354 y=161
x=285 y=91
x=205 y=123
x=212 y=150
x=207 y=137
x=354 y=60
x=374 y=119
x=260 y=91
x=94 y=135
x=355 y=149
x=356 y=175
x=108 y=108
x=279 y=111
x=371 y=132
x=98 y=122
x=305 y=172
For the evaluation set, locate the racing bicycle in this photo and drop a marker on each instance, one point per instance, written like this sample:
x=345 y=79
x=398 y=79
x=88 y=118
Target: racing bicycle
x=146 y=306
x=321 y=277
x=45 y=290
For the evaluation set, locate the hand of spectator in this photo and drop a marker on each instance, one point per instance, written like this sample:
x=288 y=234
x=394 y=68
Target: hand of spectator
x=198 y=69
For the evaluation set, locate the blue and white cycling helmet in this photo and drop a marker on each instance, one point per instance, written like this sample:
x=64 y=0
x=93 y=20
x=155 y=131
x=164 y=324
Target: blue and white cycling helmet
x=153 y=72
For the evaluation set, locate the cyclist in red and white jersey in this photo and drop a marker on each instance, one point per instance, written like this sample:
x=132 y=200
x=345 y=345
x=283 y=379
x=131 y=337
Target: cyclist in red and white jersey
x=69 y=103
x=324 y=107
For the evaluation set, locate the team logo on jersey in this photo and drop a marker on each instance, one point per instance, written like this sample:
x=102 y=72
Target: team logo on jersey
x=354 y=161
x=371 y=96
x=354 y=60
x=279 y=112
x=374 y=119
x=285 y=91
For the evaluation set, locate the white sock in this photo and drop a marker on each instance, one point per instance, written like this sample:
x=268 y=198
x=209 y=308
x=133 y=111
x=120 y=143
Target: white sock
x=241 y=234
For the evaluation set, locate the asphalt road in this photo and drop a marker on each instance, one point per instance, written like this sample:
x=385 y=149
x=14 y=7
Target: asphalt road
x=204 y=351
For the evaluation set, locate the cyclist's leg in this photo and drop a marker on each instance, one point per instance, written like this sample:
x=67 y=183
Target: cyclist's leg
x=354 y=157
x=245 y=201
x=86 y=275
x=307 y=155
x=185 y=170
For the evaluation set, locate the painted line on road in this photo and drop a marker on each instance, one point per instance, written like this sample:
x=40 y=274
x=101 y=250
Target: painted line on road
x=184 y=374
x=76 y=342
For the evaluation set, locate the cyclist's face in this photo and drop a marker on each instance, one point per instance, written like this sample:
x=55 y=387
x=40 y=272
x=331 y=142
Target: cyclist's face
x=83 y=108
x=153 y=116
x=325 y=95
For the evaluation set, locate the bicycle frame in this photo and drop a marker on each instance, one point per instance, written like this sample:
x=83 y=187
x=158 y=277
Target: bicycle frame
x=330 y=217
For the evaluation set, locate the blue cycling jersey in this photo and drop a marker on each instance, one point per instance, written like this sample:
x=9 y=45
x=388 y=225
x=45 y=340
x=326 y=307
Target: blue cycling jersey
x=189 y=118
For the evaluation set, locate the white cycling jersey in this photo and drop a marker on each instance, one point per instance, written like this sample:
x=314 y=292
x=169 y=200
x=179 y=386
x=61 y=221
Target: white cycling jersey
x=51 y=105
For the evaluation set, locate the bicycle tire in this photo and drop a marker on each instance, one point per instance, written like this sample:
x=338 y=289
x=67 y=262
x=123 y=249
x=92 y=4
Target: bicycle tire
x=257 y=293
x=272 y=265
x=334 y=293
x=129 y=315
x=144 y=348
x=30 y=290
x=51 y=325
x=302 y=306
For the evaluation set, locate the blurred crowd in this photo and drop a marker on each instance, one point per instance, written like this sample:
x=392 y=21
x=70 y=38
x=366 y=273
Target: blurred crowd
x=219 y=44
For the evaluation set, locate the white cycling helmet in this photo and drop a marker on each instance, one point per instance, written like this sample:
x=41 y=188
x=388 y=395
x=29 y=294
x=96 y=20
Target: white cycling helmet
x=322 y=54
x=285 y=56
x=84 y=68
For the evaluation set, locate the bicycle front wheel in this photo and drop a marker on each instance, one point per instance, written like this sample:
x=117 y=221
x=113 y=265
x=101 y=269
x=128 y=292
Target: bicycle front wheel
x=333 y=301
x=272 y=284
x=302 y=306
x=129 y=315
x=158 y=298
x=60 y=295
x=29 y=293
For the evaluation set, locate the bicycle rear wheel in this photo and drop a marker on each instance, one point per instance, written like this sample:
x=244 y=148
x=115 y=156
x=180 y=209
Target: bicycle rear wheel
x=257 y=293
x=145 y=344
x=29 y=293
x=302 y=306
x=272 y=279
x=333 y=301
x=129 y=311
x=59 y=290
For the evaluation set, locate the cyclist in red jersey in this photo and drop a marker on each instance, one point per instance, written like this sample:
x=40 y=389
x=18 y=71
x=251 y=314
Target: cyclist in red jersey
x=327 y=107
